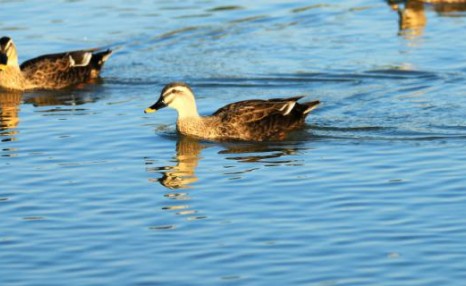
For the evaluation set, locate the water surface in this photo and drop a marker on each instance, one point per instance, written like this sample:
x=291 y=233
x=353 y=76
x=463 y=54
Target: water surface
x=370 y=192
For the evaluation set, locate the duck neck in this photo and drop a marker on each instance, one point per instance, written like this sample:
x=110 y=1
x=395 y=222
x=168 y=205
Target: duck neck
x=12 y=78
x=190 y=123
x=191 y=119
x=188 y=112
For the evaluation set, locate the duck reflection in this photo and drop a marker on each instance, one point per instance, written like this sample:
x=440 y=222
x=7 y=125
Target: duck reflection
x=182 y=175
x=9 y=110
x=9 y=119
x=188 y=151
x=412 y=17
x=265 y=154
x=10 y=103
x=179 y=176
x=64 y=97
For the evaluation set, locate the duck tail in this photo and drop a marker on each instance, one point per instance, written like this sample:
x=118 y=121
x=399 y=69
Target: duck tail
x=98 y=59
x=311 y=105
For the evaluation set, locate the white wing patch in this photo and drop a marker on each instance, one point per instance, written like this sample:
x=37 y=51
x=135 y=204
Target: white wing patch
x=287 y=107
x=85 y=60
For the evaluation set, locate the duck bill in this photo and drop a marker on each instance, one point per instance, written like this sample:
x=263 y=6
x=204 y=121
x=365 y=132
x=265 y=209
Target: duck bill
x=156 y=106
x=2 y=67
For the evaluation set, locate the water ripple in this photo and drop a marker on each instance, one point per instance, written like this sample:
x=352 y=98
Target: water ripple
x=370 y=192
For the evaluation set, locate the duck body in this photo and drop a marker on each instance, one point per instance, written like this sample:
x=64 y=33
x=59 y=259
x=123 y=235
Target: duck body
x=53 y=71
x=248 y=120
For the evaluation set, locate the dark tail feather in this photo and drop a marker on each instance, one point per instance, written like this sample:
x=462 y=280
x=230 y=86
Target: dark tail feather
x=98 y=59
x=310 y=106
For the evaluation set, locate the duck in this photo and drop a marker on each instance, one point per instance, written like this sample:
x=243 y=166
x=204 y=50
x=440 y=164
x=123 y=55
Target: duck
x=248 y=120
x=51 y=71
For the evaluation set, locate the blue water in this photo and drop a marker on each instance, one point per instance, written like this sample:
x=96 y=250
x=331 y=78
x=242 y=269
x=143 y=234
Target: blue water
x=371 y=192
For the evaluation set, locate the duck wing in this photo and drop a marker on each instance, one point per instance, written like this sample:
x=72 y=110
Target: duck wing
x=249 y=111
x=260 y=120
x=63 y=69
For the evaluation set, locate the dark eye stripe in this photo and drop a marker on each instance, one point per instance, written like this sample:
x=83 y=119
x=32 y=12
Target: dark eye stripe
x=164 y=100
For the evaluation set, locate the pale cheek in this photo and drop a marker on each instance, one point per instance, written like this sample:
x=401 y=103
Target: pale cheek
x=169 y=99
x=174 y=104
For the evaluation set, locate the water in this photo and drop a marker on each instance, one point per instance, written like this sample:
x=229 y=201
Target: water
x=371 y=192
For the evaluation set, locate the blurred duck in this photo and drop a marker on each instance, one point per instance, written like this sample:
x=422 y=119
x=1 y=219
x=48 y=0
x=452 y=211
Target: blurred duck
x=250 y=120
x=444 y=1
x=52 y=71
x=412 y=16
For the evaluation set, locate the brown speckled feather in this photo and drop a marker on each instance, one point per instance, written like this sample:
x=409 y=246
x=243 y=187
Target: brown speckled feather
x=253 y=110
x=60 y=70
x=262 y=119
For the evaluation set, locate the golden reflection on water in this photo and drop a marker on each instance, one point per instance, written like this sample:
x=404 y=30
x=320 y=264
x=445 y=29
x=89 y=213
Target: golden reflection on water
x=9 y=109
x=182 y=174
x=188 y=150
x=179 y=176
x=412 y=18
x=10 y=106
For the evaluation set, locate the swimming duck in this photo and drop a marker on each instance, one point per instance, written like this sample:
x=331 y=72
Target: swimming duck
x=249 y=120
x=52 y=71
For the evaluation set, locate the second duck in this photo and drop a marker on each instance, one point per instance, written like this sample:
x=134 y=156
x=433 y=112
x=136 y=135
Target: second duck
x=53 y=71
x=248 y=120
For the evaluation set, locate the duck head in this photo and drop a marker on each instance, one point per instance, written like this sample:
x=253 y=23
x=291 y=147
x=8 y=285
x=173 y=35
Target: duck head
x=179 y=96
x=8 y=53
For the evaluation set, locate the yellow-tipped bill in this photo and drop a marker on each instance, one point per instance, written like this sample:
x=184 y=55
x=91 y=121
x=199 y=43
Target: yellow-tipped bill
x=156 y=106
x=149 y=110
